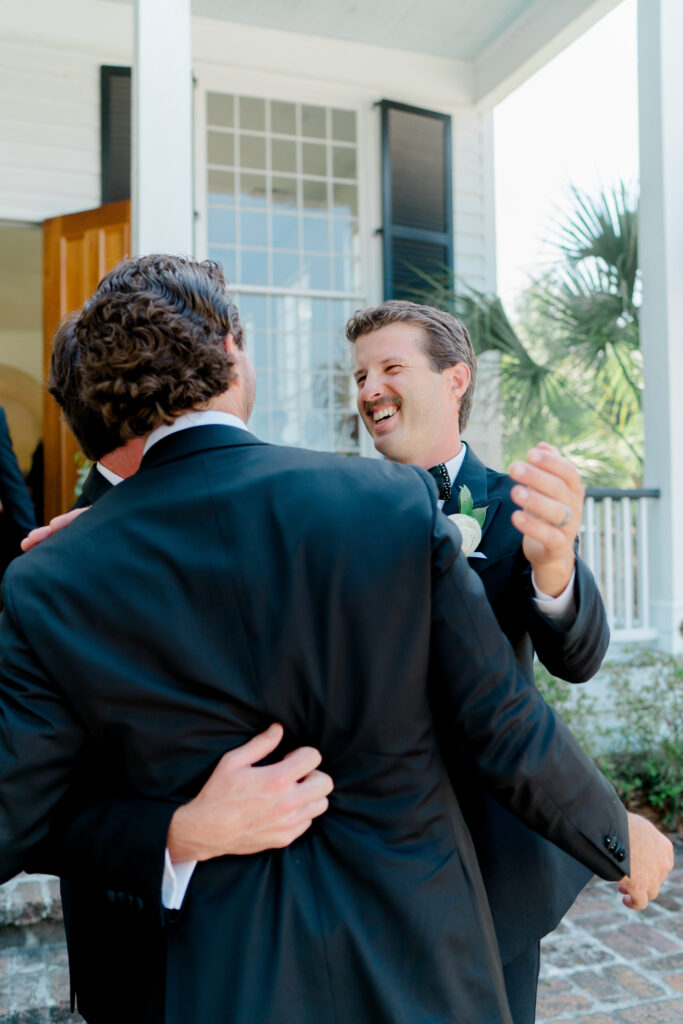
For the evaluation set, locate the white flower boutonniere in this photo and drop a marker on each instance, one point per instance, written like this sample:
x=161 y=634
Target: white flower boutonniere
x=469 y=521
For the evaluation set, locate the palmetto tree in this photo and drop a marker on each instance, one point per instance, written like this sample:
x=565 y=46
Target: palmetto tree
x=594 y=299
x=571 y=367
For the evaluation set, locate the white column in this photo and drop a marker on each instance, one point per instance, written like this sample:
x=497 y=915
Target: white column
x=660 y=31
x=162 y=128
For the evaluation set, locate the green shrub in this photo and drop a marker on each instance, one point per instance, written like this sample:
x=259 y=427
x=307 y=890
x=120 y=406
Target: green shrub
x=638 y=743
x=574 y=705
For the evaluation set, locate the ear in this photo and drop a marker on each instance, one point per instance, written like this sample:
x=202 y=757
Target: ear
x=459 y=377
x=229 y=342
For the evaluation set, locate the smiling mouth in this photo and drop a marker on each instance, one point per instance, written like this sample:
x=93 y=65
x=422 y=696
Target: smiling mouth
x=383 y=412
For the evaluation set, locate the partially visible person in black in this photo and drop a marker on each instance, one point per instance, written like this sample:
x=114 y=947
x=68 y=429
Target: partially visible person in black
x=35 y=481
x=16 y=511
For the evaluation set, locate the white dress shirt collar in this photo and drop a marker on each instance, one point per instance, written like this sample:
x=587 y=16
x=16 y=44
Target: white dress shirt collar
x=454 y=465
x=109 y=474
x=196 y=418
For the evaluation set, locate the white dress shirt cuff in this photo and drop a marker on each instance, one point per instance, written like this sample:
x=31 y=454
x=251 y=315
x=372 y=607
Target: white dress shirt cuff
x=175 y=881
x=561 y=610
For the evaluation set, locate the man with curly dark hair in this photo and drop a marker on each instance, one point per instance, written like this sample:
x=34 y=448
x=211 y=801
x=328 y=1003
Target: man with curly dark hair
x=244 y=809
x=230 y=583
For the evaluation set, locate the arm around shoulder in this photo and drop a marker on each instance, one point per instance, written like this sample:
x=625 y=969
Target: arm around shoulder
x=526 y=756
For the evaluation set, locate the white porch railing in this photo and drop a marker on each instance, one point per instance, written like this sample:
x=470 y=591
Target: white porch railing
x=613 y=542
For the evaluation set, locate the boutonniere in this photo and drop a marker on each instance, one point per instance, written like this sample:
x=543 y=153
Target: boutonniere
x=470 y=522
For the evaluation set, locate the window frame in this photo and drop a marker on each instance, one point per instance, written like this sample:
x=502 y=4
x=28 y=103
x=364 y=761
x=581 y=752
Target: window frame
x=212 y=78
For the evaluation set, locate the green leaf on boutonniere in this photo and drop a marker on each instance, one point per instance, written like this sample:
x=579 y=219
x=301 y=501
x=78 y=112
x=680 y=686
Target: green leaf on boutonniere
x=465 y=503
x=466 y=506
x=480 y=514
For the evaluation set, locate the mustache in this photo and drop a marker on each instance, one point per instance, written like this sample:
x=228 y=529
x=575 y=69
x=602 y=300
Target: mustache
x=370 y=407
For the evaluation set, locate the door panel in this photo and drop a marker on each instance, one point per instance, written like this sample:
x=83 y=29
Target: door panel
x=78 y=250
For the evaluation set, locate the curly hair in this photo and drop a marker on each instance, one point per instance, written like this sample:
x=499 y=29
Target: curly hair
x=150 y=342
x=64 y=384
x=446 y=339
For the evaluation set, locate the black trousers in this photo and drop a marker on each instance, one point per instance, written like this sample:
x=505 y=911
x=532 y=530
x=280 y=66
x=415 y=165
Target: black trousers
x=521 y=984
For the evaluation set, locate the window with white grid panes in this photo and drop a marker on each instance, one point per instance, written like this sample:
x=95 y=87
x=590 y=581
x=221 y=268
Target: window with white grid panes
x=282 y=218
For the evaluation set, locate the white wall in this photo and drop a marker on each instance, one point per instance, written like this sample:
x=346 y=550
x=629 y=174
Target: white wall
x=21 y=348
x=49 y=102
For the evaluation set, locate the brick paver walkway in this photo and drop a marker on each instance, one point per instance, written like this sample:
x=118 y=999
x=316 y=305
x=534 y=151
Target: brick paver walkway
x=609 y=965
x=603 y=965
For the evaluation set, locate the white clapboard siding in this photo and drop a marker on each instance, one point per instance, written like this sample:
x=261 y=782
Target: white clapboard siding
x=49 y=131
x=473 y=218
x=32 y=110
x=21 y=134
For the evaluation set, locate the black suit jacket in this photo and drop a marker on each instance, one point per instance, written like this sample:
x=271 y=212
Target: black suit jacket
x=17 y=517
x=94 y=486
x=530 y=882
x=230 y=583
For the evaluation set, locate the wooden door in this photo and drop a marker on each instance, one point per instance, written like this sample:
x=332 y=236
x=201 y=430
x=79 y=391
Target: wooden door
x=78 y=250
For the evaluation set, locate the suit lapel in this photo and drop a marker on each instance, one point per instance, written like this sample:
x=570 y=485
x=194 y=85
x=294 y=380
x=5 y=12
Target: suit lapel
x=472 y=474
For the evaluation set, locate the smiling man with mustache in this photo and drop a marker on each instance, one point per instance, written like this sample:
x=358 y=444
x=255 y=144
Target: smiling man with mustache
x=415 y=370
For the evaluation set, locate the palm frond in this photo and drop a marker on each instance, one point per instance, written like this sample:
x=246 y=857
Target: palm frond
x=603 y=229
x=570 y=364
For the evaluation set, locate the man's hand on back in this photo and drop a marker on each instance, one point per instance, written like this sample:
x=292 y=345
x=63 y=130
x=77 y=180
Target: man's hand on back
x=652 y=858
x=41 y=533
x=244 y=809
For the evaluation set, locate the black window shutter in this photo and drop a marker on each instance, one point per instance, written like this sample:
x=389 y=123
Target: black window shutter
x=115 y=132
x=417 y=206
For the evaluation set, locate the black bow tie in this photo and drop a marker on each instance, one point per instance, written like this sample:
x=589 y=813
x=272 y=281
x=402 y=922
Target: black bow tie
x=443 y=481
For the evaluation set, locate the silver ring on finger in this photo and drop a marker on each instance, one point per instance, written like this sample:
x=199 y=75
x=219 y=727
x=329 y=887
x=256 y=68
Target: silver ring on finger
x=567 y=517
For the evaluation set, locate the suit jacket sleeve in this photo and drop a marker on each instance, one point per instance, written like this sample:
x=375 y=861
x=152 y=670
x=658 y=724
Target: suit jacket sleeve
x=40 y=739
x=525 y=754
x=576 y=653
x=100 y=838
x=46 y=823
x=109 y=842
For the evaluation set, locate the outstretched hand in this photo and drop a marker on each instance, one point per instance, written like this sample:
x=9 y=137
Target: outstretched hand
x=244 y=809
x=41 y=533
x=652 y=858
x=550 y=494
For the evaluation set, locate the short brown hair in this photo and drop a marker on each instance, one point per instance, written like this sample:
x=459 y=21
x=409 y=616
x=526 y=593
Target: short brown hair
x=150 y=342
x=64 y=384
x=446 y=339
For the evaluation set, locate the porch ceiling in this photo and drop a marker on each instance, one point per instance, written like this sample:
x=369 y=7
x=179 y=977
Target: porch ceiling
x=459 y=29
x=504 y=41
